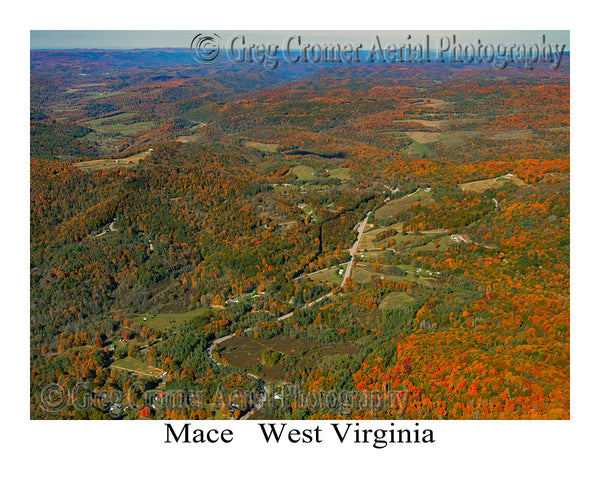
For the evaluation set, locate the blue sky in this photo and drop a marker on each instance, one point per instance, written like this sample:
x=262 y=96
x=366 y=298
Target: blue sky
x=130 y=39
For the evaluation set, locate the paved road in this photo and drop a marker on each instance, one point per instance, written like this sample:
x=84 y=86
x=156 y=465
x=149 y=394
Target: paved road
x=212 y=346
x=354 y=249
x=263 y=391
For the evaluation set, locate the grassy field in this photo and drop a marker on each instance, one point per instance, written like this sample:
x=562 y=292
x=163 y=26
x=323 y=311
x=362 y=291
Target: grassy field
x=513 y=135
x=115 y=118
x=102 y=94
x=395 y=300
x=129 y=129
x=426 y=123
x=421 y=140
x=432 y=103
x=424 y=137
x=330 y=275
x=368 y=239
x=409 y=242
x=90 y=85
x=110 y=163
x=133 y=364
x=481 y=186
x=304 y=172
x=456 y=138
x=163 y=321
x=375 y=230
x=444 y=243
x=340 y=173
x=218 y=415
x=394 y=207
x=263 y=147
x=103 y=143
x=195 y=137
x=416 y=147
x=395 y=133
x=363 y=272
x=113 y=124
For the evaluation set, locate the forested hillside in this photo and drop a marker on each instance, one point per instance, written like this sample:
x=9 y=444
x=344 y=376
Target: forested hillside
x=172 y=206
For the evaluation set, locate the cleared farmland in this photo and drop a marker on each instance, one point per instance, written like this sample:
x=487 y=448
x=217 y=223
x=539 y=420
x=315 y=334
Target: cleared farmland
x=481 y=186
x=136 y=366
x=396 y=206
x=304 y=172
x=164 y=321
x=110 y=163
x=395 y=299
x=340 y=173
x=263 y=147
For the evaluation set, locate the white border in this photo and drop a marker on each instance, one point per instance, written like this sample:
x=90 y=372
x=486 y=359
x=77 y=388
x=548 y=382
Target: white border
x=464 y=449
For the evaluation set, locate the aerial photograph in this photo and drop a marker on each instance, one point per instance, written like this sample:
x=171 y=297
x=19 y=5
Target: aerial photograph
x=272 y=225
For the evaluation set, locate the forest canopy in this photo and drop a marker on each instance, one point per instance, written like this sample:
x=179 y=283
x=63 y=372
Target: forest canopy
x=361 y=229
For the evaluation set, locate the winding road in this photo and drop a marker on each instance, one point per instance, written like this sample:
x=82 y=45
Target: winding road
x=263 y=390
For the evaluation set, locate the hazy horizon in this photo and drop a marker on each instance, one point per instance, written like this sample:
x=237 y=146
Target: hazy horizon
x=153 y=39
